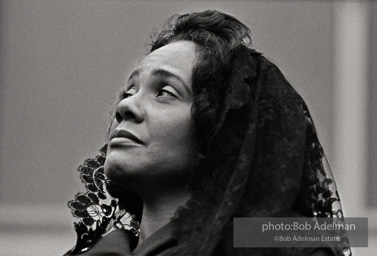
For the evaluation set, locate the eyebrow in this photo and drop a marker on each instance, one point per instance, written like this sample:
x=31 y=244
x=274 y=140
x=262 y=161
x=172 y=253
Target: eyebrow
x=163 y=73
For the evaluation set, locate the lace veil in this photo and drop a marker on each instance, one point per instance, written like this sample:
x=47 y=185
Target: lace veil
x=263 y=160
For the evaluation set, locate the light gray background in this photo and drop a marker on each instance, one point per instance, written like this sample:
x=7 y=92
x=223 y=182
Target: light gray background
x=63 y=63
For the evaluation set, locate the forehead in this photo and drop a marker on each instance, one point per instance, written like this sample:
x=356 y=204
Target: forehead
x=177 y=57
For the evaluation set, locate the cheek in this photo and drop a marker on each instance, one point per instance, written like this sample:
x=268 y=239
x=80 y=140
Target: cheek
x=176 y=129
x=177 y=138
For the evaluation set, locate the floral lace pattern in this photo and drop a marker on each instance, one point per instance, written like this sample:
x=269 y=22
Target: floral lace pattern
x=97 y=211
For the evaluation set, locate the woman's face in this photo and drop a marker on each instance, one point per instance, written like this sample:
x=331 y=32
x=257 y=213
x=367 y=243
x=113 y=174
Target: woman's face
x=151 y=138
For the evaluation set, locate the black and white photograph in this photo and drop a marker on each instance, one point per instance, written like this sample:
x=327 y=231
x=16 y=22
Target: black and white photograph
x=177 y=127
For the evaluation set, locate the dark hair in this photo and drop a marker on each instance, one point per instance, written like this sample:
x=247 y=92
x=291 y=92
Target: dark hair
x=217 y=36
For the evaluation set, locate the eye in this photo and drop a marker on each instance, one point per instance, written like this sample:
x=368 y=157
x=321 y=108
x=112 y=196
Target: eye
x=167 y=91
x=127 y=93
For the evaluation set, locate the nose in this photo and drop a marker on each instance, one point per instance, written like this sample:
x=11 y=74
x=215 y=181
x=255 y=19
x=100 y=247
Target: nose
x=128 y=109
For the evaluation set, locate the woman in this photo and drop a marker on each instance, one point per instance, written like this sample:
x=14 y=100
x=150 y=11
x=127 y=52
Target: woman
x=206 y=130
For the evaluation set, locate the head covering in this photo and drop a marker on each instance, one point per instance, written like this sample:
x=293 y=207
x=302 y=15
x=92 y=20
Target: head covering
x=263 y=160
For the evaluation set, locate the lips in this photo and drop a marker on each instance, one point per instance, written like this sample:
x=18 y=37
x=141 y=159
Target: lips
x=125 y=135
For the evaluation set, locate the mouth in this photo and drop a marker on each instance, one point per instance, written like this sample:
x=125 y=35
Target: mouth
x=122 y=137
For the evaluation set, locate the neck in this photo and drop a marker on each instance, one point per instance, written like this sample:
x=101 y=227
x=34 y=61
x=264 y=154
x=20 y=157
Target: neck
x=158 y=210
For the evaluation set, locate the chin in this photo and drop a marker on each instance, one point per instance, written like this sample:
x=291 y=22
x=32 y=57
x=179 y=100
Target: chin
x=114 y=169
x=119 y=171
